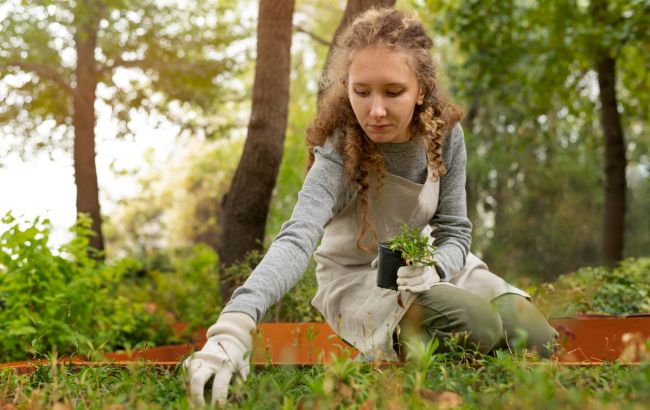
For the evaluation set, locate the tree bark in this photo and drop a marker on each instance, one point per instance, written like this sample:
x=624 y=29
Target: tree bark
x=352 y=9
x=83 y=121
x=615 y=162
x=246 y=205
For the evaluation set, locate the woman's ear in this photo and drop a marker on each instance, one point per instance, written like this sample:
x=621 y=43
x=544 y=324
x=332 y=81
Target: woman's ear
x=420 y=99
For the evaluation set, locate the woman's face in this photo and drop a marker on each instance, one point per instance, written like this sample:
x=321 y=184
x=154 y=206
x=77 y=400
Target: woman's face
x=383 y=92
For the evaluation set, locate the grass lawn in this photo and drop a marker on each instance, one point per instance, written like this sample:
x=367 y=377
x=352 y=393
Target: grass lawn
x=437 y=381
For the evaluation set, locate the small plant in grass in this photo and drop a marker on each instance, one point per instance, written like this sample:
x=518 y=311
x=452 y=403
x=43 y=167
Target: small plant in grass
x=413 y=247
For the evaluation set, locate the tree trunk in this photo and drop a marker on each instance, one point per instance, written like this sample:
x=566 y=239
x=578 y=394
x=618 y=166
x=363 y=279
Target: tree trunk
x=246 y=205
x=352 y=9
x=83 y=121
x=615 y=162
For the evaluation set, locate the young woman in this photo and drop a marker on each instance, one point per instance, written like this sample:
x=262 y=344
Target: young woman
x=386 y=149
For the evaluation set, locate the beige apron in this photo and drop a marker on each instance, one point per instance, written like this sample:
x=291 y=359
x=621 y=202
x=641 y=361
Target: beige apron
x=359 y=311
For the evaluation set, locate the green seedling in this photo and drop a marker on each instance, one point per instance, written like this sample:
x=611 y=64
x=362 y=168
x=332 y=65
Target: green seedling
x=413 y=246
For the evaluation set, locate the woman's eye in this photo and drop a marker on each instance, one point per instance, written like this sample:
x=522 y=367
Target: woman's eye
x=361 y=93
x=394 y=93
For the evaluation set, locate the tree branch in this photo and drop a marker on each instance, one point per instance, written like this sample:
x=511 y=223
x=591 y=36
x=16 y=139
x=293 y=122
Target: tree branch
x=43 y=71
x=314 y=36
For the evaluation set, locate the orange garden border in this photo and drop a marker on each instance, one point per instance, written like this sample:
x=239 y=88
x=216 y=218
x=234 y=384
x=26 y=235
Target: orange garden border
x=600 y=337
x=584 y=340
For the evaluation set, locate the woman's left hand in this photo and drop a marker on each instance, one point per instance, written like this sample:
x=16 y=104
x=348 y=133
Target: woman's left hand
x=417 y=278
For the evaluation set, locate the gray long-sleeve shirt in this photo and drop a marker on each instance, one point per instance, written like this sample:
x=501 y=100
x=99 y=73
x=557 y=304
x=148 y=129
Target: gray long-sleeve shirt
x=325 y=193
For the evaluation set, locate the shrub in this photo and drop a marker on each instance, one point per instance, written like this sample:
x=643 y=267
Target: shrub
x=65 y=298
x=182 y=284
x=622 y=290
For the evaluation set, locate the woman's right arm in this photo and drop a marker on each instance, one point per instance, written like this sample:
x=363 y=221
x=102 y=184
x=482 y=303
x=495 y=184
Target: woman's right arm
x=224 y=354
x=286 y=259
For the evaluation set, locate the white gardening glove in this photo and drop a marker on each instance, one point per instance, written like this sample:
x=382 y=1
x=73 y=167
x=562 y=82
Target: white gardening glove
x=222 y=356
x=416 y=278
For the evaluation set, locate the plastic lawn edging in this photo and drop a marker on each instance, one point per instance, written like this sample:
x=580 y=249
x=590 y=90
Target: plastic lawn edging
x=273 y=343
x=600 y=337
x=584 y=340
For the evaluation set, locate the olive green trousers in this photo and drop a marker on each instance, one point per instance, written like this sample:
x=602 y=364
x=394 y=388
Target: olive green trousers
x=509 y=322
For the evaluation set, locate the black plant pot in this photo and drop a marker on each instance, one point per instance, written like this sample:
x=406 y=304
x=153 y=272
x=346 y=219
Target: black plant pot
x=387 y=265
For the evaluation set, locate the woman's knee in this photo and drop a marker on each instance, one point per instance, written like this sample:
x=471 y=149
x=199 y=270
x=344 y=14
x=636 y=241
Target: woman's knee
x=524 y=325
x=444 y=311
x=481 y=322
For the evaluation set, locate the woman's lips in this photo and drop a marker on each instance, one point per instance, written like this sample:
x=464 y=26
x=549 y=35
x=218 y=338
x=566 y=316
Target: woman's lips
x=379 y=127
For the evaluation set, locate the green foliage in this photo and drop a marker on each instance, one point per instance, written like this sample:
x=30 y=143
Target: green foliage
x=100 y=387
x=622 y=290
x=64 y=300
x=181 y=285
x=548 y=225
x=414 y=247
x=169 y=58
x=524 y=71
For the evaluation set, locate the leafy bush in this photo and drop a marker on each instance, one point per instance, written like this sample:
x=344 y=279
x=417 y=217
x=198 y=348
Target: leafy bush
x=180 y=284
x=65 y=299
x=622 y=290
x=183 y=285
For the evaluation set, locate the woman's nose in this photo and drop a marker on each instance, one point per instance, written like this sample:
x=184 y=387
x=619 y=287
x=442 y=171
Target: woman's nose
x=377 y=110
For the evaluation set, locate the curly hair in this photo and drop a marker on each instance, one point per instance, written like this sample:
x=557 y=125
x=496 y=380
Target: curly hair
x=432 y=120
